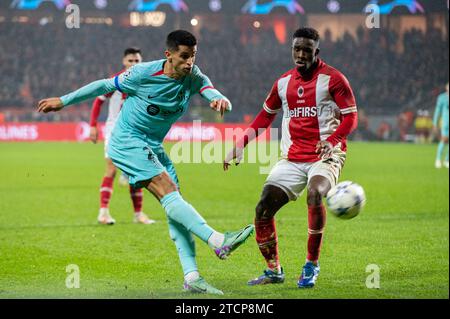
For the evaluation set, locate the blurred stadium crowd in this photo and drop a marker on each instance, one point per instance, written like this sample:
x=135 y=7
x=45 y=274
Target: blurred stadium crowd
x=50 y=61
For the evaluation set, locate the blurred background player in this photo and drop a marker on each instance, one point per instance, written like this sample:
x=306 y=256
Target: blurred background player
x=424 y=127
x=131 y=57
x=441 y=114
x=319 y=111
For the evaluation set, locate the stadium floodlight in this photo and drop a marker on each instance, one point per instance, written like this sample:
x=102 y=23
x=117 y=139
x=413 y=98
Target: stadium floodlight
x=101 y=4
x=215 y=5
x=333 y=6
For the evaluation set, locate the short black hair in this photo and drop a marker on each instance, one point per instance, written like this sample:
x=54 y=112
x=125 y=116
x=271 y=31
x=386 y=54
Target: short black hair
x=308 y=33
x=131 y=50
x=180 y=37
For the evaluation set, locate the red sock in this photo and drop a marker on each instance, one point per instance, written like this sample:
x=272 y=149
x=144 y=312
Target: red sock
x=316 y=225
x=266 y=237
x=105 y=191
x=136 y=197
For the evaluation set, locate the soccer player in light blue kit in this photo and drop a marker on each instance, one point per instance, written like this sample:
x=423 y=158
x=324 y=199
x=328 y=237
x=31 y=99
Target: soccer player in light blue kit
x=441 y=112
x=158 y=95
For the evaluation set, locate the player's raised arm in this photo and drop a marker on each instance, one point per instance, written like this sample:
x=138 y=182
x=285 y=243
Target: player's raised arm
x=217 y=101
x=127 y=82
x=89 y=91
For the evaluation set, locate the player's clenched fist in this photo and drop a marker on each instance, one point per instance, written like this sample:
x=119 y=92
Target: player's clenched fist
x=52 y=104
x=220 y=105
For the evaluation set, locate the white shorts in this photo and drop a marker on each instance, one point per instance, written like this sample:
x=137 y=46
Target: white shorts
x=107 y=132
x=293 y=177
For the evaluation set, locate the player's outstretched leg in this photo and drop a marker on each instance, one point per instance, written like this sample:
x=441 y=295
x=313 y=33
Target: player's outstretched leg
x=232 y=240
x=184 y=220
x=185 y=214
x=185 y=244
x=272 y=199
x=317 y=189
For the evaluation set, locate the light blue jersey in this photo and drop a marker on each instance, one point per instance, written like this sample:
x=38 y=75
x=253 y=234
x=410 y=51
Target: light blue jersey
x=441 y=111
x=154 y=102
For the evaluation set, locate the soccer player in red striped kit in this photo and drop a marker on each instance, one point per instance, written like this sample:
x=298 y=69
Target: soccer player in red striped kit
x=319 y=111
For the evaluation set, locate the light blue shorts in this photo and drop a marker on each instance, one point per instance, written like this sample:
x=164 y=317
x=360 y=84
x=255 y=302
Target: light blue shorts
x=140 y=162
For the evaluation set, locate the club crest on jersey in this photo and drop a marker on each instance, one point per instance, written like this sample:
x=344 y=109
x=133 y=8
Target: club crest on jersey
x=300 y=91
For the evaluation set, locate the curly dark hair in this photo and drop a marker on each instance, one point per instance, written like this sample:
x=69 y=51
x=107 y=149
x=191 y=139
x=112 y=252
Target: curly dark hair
x=308 y=33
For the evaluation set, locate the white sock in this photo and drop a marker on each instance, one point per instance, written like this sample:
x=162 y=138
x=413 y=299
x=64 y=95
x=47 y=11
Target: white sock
x=216 y=240
x=190 y=277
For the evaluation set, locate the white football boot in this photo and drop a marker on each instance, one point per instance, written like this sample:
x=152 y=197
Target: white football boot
x=141 y=218
x=105 y=218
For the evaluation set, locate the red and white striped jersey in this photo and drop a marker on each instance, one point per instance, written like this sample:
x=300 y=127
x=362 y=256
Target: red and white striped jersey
x=312 y=109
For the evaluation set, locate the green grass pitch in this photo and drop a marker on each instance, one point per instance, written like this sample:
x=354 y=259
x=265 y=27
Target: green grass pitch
x=49 y=204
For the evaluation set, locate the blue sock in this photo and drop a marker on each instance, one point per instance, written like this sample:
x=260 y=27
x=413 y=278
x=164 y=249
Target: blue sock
x=446 y=154
x=183 y=213
x=440 y=150
x=185 y=246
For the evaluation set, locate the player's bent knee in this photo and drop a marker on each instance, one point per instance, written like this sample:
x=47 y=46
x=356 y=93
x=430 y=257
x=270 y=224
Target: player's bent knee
x=271 y=201
x=318 y=188
x=162 y=185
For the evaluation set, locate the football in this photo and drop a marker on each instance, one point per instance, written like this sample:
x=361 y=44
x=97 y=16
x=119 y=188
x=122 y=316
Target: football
x=346 y=199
